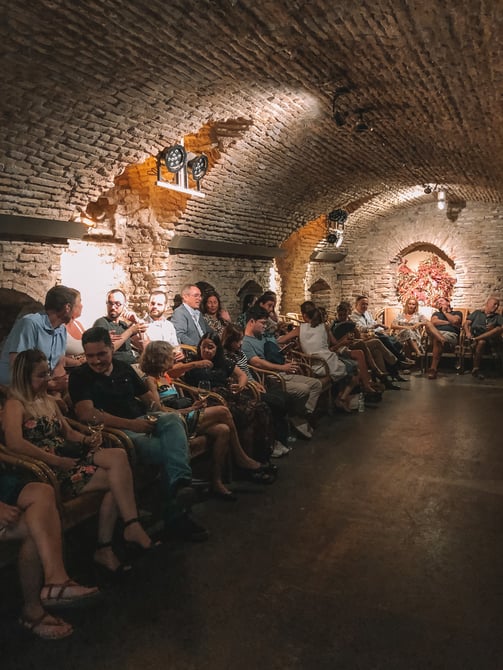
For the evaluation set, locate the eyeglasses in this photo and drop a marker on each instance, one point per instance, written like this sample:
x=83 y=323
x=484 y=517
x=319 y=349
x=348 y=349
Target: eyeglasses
x=114 y=304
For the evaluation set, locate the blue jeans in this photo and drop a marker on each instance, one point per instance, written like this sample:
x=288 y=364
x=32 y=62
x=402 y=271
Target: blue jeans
x=167 y=446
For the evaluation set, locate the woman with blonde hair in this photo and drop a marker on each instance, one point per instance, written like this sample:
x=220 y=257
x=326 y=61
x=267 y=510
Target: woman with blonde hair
x=408 y=326
x=34 y=426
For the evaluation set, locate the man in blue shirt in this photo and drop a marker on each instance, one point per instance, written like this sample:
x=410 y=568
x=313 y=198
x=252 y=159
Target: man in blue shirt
x=45 y=331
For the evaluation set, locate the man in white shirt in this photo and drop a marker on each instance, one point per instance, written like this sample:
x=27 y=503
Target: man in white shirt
x=188 y=321
x=159 y=328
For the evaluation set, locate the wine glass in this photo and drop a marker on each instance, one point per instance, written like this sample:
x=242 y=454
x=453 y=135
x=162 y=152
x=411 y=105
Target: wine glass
x=96 y=424
x=203 y=388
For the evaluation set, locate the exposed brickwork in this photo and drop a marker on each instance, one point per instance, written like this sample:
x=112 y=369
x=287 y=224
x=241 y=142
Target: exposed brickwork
x=91 y=93
x=474 y=243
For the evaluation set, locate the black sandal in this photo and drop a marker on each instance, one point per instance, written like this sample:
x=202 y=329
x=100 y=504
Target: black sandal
x=119 y=572
x=133 y=546
x=259 y=475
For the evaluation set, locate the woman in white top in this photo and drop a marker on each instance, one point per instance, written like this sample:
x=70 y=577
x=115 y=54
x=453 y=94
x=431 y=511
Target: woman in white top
x=74 y=329
x=315 y=338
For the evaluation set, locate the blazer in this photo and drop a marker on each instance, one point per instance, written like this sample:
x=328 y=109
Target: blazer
x=185 y=327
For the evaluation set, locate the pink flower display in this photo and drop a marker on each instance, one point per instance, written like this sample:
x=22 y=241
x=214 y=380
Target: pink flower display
x=430 y=282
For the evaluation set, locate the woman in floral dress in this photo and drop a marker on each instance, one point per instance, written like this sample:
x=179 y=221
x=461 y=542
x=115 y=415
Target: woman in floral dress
x=35 y=427
x=409 y=325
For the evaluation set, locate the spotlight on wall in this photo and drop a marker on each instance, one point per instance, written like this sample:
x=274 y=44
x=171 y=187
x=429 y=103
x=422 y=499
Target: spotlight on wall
x=335 y=232
x=428 y=189
x=198 y=167
x=441 y=200
x=176 y=161
x=174 y=157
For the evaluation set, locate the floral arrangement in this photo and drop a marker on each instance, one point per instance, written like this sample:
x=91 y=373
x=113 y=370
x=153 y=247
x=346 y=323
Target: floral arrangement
x=430 y=282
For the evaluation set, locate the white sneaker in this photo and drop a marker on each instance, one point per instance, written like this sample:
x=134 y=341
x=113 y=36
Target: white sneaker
x=302 y=427
x=280 y=450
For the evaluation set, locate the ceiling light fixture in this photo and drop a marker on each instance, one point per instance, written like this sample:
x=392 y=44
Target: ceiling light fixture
x=361 y=126
x=441 y=199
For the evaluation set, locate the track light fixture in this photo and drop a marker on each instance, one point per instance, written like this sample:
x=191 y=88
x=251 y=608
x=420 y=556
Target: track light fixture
x=176 y=161
x=335 y=232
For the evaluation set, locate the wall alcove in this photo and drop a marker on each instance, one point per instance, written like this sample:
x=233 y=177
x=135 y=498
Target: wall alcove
x=321 y=293
x=13 y=305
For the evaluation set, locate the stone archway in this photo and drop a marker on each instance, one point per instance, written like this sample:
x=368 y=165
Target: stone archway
x=14 y=305
x=321 y=293
x=248 y=292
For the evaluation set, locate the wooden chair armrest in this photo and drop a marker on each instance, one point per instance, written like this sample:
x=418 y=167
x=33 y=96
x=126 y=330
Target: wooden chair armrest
x=40 y=470
x=268 y=377
x=306 y=361
x=193 y=392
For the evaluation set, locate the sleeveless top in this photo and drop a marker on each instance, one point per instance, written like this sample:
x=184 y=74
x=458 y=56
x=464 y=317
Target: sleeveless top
x=315 y=341
x=73 y=344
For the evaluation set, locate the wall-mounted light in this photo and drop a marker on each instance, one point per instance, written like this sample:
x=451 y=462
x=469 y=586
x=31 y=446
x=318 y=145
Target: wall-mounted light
x=177 y=162
x=335 y=232
x=441 y=200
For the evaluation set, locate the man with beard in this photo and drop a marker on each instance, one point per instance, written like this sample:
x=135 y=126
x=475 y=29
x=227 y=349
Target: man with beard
x=124 y=327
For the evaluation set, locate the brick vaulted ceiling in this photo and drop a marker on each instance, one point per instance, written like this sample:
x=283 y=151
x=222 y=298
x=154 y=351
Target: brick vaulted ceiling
x=91 y=87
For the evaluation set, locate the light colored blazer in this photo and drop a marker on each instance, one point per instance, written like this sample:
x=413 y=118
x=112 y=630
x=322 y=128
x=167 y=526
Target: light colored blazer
x=185 y=327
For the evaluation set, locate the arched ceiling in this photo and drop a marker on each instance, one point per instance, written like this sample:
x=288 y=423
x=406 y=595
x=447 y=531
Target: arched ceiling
x=89 y=88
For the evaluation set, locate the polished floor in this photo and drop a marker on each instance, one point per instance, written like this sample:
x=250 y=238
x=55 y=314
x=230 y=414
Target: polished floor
x=380 y=547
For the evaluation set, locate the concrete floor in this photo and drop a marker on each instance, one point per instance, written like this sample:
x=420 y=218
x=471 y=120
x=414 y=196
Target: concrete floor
x=380 y=547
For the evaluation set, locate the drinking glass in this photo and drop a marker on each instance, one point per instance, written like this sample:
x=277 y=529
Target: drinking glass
x=96 y=424
x=204 y=388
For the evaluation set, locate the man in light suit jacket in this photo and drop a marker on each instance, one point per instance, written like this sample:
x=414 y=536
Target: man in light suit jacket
x=188 y=321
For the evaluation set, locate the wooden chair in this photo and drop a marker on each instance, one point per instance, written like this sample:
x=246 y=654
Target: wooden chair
x=306 y=363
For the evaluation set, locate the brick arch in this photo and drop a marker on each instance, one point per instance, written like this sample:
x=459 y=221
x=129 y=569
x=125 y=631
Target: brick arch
x=250 y=288
x=429 y=248
x=321 y=293
x=15 y=304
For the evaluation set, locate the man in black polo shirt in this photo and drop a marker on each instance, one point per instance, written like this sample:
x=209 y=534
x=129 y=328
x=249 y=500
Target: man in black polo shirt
x=113 y=388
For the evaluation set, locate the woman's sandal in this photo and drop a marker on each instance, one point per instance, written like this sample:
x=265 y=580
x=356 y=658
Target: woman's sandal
x=135 y=547
x=59 y=595
x=47 y=627
x=122 y=570
x=259 y=475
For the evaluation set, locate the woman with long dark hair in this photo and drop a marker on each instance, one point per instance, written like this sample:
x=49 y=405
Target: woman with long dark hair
x=222 y=375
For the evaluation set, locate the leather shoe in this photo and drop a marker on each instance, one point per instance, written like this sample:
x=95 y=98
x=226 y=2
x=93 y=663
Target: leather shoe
x=399 y=378
x=392 y=387
x=432 y=374
x=185 y=528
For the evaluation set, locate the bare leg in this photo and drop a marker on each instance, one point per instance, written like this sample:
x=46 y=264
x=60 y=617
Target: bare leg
x=222 y=414
x=43 y=524
x=220 y=435
x=104 y=554
x=114 y=474
x=364 y=375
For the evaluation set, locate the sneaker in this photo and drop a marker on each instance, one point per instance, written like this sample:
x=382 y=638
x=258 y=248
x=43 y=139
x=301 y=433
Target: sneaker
x=407 y=362
x=302 y=427
x=185 y=528
x=280 y=450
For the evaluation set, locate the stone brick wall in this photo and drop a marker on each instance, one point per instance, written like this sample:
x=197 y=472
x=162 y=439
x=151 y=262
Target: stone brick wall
x=474 y=242
x=138 y=260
